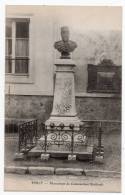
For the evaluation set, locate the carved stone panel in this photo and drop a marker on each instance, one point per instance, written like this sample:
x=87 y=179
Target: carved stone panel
x=64 y=101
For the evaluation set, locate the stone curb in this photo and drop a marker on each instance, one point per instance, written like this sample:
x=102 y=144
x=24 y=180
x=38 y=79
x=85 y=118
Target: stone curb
x=18 y=170
x=68 y=171
x=102 y=173
x=41 y=170
x=61 y=171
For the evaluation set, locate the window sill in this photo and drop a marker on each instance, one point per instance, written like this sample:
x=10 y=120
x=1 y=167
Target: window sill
x=17 y=74
x=18 y=78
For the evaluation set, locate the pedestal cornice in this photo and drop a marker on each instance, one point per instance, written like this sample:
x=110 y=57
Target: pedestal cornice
x=65 y=65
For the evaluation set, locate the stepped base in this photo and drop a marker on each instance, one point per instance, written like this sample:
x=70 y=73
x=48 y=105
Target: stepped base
x=82 y=153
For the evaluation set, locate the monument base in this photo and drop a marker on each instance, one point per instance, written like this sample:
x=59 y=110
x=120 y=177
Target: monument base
x=66 y=120
x=82 y=153
x=63 y=135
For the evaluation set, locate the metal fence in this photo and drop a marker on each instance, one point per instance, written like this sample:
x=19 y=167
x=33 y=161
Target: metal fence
x=70 y=140
x=28 y=135
x=63 y=139
x=67 y=138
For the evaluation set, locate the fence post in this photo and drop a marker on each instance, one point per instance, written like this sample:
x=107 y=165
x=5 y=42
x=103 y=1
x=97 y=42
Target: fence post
x=25 y=135
x=36 y=130
x=99 y=151
x=71 y=126
x=19 y=138
x=45 y=139
x=100 y=137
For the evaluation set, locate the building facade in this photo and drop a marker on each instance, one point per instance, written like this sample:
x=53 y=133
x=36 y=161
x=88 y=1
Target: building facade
x=30 y=72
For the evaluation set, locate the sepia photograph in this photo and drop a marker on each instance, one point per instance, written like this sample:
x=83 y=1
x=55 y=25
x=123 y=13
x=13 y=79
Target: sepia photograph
x=63 y=91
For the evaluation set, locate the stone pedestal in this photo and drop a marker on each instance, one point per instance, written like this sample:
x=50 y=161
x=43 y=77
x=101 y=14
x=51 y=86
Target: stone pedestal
x=63 y=136
x=64 y=109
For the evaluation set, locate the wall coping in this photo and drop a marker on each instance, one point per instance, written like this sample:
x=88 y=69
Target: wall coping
x=91 y=120
x=83 y=94
x=103 y=95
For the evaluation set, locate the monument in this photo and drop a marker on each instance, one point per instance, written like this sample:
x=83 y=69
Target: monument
x=63 y=134
x=64 y=108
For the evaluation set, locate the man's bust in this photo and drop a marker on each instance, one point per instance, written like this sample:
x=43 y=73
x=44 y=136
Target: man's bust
x=65 y=46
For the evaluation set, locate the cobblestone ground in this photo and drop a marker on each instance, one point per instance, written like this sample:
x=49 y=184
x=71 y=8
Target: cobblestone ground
x=15 y=182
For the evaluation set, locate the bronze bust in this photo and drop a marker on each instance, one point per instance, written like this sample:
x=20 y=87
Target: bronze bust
x=65 y=46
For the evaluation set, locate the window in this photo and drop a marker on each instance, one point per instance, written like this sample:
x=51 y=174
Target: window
x=17 y=46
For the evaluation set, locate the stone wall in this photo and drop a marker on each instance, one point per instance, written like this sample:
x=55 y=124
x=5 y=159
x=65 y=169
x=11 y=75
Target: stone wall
x=39 y=107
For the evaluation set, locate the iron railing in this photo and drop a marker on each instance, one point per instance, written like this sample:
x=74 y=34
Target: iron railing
x=70 y=140
x=67 y=138
x=28 y=133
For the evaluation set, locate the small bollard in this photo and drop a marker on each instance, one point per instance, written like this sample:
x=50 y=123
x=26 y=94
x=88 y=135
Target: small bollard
x=99 y=159
x=19 y=156
x=45 y=157
x=71 y=157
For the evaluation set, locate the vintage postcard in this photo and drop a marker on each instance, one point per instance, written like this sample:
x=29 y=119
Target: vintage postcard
x=63 y=81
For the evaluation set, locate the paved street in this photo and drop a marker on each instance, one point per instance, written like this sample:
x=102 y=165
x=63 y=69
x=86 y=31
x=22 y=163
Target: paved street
x=14 y=182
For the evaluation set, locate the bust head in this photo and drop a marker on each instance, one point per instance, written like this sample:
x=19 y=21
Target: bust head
x=65 y=33
x=65 y=46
